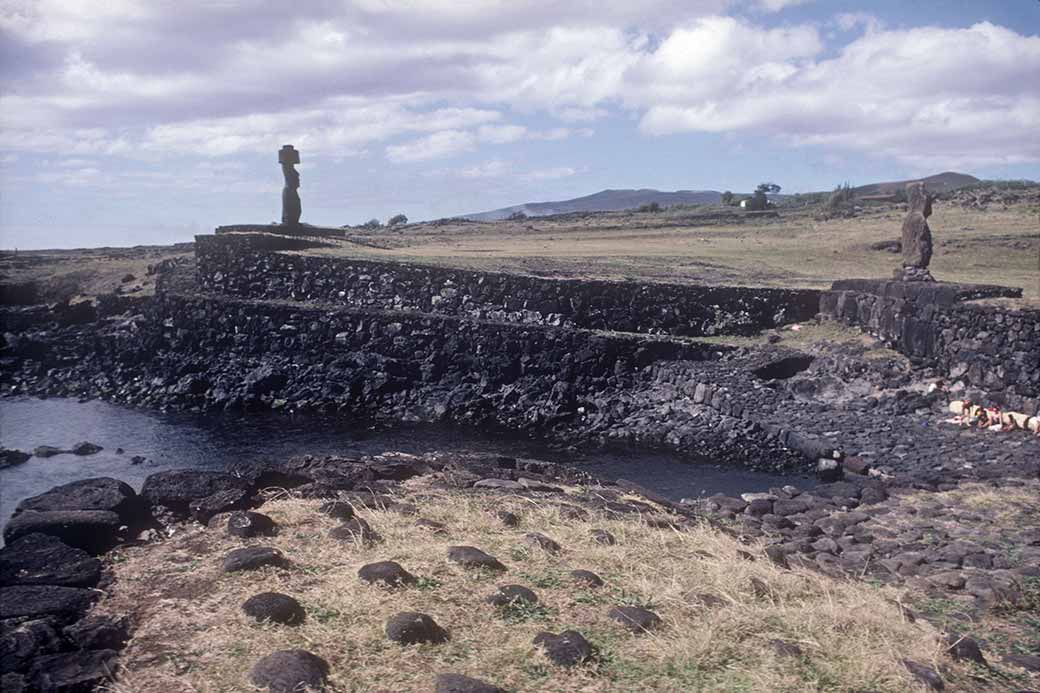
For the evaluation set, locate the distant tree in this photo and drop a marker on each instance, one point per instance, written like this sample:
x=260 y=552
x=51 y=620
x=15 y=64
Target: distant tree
x=842 y=195
x=517 y=216
x=727 y=197
x=396 y=220
x=372 y=224
x=759 y=201
x=652 y=208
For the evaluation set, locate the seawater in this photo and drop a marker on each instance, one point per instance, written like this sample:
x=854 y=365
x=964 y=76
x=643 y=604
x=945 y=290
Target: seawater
x=213 y=440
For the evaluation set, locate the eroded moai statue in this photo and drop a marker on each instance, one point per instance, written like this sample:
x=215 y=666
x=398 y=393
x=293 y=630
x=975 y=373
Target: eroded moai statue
x=291 y=209
x=917 y=237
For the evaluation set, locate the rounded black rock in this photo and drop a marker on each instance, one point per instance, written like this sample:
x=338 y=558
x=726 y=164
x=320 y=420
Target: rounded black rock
x=568 y=649
x=387 y=573
x=602 y=536
x=251 y=558
x=586 y=578
x=512 y=594
x=472 y=557
x=337 y=509
x=288 y=671
x=274 y=607
x=413 y=628
x=634 y=618
x=244 y=523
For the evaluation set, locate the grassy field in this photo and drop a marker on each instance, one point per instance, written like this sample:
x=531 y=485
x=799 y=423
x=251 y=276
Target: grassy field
x=999 y=246
x=721 y=616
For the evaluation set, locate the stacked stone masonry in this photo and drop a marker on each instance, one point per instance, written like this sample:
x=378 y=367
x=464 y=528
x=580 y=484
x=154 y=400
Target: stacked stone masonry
x=264 y=266
x=990 y=352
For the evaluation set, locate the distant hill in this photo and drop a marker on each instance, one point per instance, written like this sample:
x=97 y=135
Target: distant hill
x=940 y=182
x=603 y=201
x=617 y=200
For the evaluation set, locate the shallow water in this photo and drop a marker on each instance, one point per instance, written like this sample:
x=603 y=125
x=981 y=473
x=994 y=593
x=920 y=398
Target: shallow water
x=210 y=441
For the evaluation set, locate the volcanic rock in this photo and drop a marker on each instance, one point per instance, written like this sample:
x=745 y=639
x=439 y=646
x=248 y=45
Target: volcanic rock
x=251 y=558
x=412 y=628
x=41 y=559
x=472 y=557
x=567 y=649
x=249 y=524
x=636 y=619
x=274 y=607
x=289 y=671
x=387 y=573
x=94 y=531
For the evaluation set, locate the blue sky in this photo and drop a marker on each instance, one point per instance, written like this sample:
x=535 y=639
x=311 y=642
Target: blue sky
x=130 y=122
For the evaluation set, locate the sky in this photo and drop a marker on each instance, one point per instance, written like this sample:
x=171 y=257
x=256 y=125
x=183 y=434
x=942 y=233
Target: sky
x=129 y=122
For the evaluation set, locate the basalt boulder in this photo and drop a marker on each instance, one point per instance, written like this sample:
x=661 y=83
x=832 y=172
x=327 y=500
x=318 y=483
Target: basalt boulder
x=82 y=670
x=178 y=488
x=94 y=531
x=412 y=628
x=100 y=493
x=21 y=642
x=274 y=607
x=39 y=601
x=41 y=559
x=290 y=671
x=568 y=649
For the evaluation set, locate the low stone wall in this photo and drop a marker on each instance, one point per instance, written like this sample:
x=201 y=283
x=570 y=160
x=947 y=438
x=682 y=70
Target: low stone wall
x=989 y=352
x=254 y=266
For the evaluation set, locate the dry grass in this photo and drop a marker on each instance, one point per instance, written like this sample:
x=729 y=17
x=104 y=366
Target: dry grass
x=192 y=636
x=998 y=246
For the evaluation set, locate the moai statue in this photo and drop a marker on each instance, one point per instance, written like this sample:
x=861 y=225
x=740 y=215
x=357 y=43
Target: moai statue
x=291 y=209
x=917 y=237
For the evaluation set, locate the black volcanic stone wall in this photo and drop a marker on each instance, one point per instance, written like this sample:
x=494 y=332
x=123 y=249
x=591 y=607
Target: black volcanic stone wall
x=582 y=387
x=250 y=266
x=993 y=353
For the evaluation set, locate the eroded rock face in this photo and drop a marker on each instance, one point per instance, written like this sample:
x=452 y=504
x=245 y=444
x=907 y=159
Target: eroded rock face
x=72 y=671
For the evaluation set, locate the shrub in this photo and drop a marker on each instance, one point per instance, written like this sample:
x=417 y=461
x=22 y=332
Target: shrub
x=372 y=224
x=841 y=196
x=727 y=197
x=651 y=207
x=517 y=216
x=396 y=220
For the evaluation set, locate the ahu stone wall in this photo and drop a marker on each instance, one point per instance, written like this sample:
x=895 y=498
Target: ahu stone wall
x=989 y=353
x=265 y=266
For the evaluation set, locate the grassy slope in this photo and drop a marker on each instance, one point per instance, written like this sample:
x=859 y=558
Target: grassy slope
x=192 y=635
x=994 y=246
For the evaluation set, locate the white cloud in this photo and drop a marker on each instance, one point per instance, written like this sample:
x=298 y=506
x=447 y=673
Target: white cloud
x=145 y=79
x=553 y=173
x=963 y=97
x=444 y=143
x=777 y=5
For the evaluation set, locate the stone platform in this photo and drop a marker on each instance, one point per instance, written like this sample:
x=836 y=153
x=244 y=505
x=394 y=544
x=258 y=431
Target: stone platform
x=936 y=293
x=283 y=229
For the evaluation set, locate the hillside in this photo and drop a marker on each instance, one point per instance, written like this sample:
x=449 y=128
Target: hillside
x=603 y=201
x=940 y=182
